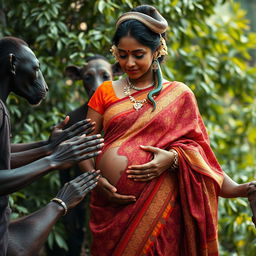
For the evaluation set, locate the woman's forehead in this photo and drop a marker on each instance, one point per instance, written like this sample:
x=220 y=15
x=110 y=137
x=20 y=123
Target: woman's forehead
x=130 y=44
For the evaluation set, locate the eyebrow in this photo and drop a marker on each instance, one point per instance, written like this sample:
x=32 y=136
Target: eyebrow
x=134 y=51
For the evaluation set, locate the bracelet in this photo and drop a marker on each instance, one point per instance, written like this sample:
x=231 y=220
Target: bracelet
x=175 y=163
x=62 y=203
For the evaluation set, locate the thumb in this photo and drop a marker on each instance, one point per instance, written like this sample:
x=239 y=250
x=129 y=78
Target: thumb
x=62 y=124
x=150 y=149
x=108 y=186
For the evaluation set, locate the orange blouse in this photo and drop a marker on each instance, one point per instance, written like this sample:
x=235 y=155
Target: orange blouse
x=103 y=97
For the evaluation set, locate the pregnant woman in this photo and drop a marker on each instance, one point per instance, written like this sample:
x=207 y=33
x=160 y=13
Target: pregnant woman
x=169 y=202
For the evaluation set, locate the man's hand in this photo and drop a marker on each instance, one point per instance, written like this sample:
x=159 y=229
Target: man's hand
x=75 y=190
x=59 y=135
x=109 y=192
x=75 y=150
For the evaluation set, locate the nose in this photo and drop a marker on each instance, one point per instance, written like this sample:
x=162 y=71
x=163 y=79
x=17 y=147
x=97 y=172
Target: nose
x=130 y=62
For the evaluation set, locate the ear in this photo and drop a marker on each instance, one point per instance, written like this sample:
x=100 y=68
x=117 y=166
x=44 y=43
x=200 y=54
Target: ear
x=73 y=72
x=12 y=61
x=116 y=69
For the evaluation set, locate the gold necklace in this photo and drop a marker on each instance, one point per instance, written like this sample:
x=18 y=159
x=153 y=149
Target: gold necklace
x=137 y=104
x=131 y=85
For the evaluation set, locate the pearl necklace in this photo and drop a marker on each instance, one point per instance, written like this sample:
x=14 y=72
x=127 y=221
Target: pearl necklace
x=138 y=88
x=137 y=104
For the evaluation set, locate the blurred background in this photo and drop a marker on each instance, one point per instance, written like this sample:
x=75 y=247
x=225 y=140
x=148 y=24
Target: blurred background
x=212 y=48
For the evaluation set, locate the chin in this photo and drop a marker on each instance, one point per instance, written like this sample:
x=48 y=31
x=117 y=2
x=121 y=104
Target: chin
x=36 y=101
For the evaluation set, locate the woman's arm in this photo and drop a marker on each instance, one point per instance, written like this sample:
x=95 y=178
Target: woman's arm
x=231 y=189
x=96 y=120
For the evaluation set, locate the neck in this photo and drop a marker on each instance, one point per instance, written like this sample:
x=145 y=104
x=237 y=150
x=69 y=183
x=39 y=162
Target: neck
x=4 y=87
x=144 y=80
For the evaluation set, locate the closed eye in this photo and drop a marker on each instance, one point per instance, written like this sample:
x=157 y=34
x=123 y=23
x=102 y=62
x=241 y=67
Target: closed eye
x=122 y=56
x=139 y=56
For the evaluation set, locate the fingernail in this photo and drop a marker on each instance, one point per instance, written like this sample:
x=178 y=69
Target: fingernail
x=128 y=171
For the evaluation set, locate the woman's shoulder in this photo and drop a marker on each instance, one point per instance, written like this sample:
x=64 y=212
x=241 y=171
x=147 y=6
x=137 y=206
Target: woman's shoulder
x=180 y=85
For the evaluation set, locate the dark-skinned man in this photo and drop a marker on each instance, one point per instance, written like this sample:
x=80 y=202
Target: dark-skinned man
x=20 y=73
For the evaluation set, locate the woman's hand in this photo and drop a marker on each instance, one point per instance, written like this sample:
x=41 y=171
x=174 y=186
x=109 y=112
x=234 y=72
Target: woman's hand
x=252 y=199
x=162 y=160
x=109 y=192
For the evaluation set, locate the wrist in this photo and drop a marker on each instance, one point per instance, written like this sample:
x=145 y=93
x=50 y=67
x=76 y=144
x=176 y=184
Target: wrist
x=175 y=161
x=62 y=205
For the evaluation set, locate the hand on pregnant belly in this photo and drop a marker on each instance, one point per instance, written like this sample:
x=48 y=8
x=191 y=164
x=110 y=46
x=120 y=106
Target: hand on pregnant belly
x=162 y=160
x=109 y=192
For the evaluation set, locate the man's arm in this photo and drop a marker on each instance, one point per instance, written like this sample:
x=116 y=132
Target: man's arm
x=66 y=154
x=28 y=152
x=28 y=234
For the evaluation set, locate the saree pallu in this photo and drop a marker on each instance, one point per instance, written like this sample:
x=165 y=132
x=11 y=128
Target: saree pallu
x=176 y=213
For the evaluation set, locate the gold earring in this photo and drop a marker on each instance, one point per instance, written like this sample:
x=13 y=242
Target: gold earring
x=155 y=65
x=114 y=52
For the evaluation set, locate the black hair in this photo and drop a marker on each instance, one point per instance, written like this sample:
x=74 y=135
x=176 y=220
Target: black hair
x=139 y=31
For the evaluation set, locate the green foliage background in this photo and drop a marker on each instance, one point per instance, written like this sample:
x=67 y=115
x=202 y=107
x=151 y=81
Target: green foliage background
x=209 y=51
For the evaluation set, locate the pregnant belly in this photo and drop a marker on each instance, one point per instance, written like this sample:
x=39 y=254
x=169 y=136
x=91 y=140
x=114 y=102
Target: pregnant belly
x=112 y=165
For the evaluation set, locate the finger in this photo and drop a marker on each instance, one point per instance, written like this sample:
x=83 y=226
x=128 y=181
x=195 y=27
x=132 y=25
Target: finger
x=142 y=166
x=89 y=130
x=126 y=198
x=139 y=172
x=143 y=176
x=81 y=139
x=87 y=156
x=107 y=186
x=80 y=128
x=86 y=190
x=84 y=150
x=85 y=177
x=149 y=148
x=62 y=124
x=144 y=179
x=88 y=184
x=83 y=123
x=84 y=142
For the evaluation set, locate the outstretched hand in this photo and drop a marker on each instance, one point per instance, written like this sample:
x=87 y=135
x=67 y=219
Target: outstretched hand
x=109 y=192
x=75 y=150
x=59 y=135
x=252 y=199
x=75 y=190
x=162 y=160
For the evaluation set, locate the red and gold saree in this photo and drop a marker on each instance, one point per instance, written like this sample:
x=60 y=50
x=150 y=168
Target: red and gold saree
x=176 y=213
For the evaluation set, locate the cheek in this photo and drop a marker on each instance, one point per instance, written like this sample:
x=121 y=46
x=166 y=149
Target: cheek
x=121 y=63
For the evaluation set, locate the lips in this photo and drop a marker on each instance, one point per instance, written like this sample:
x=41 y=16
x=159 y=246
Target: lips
x=132 y=71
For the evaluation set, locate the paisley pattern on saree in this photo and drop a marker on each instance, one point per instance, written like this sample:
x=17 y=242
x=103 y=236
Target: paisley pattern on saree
x=143 y=228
